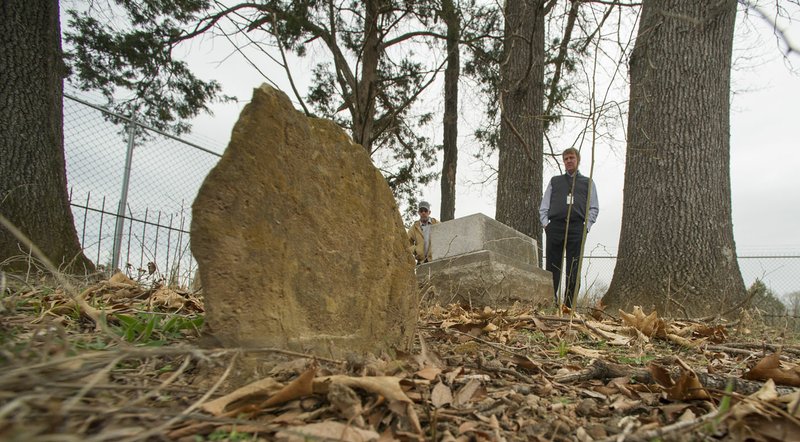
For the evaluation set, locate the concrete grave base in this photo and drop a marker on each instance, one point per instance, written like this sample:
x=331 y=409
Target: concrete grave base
x=479 y=261
x=485 y=278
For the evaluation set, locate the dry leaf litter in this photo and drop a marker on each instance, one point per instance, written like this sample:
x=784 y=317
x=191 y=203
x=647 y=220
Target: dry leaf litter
x=129 y=369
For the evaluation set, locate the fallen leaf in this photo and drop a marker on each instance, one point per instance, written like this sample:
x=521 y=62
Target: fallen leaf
x=121 y=278
x=716 y=334
x=441 y=395
x=687 y=416
x=386 y=386
x=526 y=363
x=756 y=404
x=288 y=417
x=168 y=298
x=326 y=431
x=687 y=387
x=672 y=410
x=347 y=402
x=541 y=325
x=792 y=403
x=623 y=385
x=660 y=375
x=685 y=342
x=290 y=367
x=451 y=376
x=756 y=416
x=770 y=368
x=610 y=336
x=429 y=373
x=255 y=391
x=490 y=327
x=586 y=352
x=467 y=426
x=765 y=428
x=465 y=393
x=406 y=412
x=448 y=437
x=597 y=311
x=300 y=387
x=427 y=357
x=623 y=404
x=649 y=325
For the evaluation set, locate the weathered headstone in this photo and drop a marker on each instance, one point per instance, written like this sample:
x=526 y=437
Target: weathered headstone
x=299 y=241
x=482 y=262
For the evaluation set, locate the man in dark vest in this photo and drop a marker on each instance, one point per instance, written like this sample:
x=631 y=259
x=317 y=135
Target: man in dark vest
x=564 y=213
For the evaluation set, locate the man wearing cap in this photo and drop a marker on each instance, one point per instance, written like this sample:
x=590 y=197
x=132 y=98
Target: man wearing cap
x=420 y=234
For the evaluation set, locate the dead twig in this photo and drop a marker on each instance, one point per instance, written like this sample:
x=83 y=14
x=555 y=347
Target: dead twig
x=93 y=313
x=159 y=429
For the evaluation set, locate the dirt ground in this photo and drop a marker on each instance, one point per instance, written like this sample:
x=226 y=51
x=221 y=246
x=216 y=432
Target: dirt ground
x=118 y=360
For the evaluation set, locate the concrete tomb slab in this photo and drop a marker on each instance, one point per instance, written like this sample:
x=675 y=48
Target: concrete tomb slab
x=479 y=232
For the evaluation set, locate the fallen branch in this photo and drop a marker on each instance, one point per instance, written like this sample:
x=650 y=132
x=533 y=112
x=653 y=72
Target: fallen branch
x=603 y=370
x=660 y=432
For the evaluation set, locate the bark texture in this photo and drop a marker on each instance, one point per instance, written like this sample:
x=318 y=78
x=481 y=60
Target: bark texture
x=450 y=138
x=519 y=174
x=33 y=184
x=364 y=113
x=676 y=250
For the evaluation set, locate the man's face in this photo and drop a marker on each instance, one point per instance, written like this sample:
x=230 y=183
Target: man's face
x=570 y=162
x=424 y=213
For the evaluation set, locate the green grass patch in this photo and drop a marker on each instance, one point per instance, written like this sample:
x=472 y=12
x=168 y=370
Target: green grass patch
x=154 y=329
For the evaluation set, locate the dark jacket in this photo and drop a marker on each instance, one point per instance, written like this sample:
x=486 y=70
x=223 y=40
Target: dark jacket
x=561 y=186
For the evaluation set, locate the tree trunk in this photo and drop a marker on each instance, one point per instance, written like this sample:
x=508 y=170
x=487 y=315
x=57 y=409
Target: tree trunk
x=33 y=183
x=676 y=249
x=364 y=117
x=519 y=175
x=450 y=140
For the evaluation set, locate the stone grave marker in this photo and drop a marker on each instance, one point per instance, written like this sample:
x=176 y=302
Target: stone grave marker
x=299 y=241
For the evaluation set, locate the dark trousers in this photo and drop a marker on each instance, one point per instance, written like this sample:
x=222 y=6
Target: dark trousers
x=556 y=231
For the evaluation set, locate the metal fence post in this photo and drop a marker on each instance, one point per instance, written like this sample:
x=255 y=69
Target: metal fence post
x=123 y=199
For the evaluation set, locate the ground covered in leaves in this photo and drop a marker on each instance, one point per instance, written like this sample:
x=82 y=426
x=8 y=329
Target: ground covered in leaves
x=118 y=360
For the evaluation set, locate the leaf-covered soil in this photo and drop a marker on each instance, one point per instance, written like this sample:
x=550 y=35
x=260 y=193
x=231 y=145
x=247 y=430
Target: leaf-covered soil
x=119 y=361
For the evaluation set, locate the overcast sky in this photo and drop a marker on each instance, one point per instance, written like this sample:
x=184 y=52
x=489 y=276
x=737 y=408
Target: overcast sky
x=765 y=145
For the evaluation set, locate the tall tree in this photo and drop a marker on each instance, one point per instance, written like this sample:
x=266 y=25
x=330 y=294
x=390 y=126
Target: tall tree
x=33 y=188
x=452 y=20
x=519 y=172
x=490 y=62
x=365 y=78
x=676 y=250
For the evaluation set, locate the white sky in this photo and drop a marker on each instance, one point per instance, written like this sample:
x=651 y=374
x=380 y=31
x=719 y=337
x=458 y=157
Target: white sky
x=765 y=146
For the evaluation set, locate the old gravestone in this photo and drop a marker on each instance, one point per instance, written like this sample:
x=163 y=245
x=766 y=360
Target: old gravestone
x=299 y=241
x=480 y=262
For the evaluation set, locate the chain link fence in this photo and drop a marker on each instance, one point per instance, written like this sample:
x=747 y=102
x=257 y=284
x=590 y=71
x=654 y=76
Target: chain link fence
x=131 y=189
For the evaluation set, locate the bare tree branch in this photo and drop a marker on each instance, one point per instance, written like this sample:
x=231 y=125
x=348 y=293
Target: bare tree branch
x=780 y=31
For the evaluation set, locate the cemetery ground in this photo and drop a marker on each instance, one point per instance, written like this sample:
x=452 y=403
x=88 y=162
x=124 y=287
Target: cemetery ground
x=120 y=360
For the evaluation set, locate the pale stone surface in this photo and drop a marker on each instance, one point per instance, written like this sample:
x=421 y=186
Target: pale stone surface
x=480 y=262
x=299 y=241
x=479 y=232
